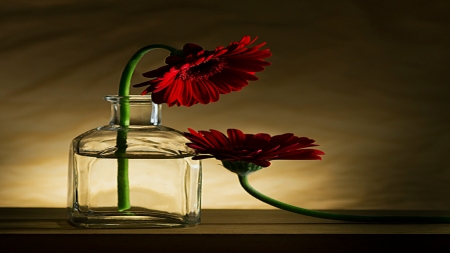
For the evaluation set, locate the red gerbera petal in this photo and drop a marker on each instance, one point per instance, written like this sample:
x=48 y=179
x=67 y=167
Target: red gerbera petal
x=220 y=84
x=232 y=82
x=173 y=60
x=185 y=96
x=236 y=137
x=159 y=84
x=210 y=137
x=190 y=48
x=258 y=149
x=220 y=137
x=200 y=76
x=201 y=93
x=213 y=91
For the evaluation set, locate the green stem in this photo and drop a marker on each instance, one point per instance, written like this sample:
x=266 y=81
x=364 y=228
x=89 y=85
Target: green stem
x=123 y=188
x=342 y=217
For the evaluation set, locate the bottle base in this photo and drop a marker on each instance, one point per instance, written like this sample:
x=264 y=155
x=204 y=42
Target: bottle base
x=149 y=219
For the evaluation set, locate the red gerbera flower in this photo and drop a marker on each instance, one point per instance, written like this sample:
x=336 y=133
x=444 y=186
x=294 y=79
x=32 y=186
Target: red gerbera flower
x=258 y=149
x=194 y=75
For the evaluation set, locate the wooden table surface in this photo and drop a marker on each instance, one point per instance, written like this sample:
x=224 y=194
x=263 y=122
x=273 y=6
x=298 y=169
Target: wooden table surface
x=28 y=229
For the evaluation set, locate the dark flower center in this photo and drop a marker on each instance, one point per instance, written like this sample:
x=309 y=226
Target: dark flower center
x=203 y=70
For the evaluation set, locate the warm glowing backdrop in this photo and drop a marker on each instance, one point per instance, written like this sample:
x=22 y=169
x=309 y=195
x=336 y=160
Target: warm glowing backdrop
x=368 y=80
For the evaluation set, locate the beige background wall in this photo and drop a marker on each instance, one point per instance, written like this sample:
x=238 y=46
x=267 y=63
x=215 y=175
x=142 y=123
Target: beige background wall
x=368 y=80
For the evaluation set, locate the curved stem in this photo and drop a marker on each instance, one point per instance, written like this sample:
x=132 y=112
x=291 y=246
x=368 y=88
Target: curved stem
x=334 y=216
x=125 y=79
x=123 y=189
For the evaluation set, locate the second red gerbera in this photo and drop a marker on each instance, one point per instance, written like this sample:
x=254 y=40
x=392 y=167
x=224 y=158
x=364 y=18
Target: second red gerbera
x=257 y=149
x=200 y=76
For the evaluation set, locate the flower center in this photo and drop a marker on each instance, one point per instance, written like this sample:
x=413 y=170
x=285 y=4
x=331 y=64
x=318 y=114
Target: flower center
x=203 y=70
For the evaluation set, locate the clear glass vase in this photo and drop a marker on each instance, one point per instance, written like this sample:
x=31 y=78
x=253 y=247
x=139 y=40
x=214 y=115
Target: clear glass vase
x=160 y=181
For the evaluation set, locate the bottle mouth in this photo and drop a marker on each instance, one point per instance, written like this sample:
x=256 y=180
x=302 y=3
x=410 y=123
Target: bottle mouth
x=130 y=98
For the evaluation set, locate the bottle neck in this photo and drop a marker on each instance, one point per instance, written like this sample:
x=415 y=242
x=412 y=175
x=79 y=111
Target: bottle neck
x=142 y=110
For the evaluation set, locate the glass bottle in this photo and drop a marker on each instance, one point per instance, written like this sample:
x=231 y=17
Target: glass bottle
x=163 y=182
